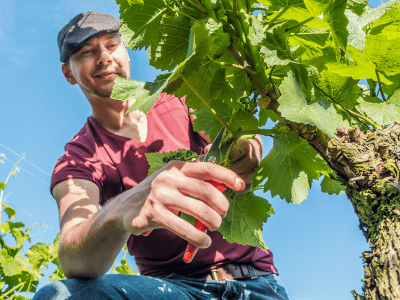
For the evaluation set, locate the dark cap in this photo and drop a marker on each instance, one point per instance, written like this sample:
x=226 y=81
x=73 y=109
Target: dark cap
x=82 y=28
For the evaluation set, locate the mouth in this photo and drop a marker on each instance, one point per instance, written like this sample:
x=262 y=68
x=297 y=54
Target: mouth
x=107 y=75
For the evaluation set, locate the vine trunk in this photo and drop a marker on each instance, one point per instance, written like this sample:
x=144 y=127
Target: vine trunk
x=368 y=164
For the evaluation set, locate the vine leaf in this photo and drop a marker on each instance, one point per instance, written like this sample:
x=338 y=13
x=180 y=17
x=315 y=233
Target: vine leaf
x=11 y=265
x=361 y=67
x=331 y=186
x=382 y=113
x=333 y=14
x=243 y=223
x=140 y=22
x=145 y=93
x=343 y=90
x=207 y=121
x=373 y=15
x=388 y=24
x=124 y=268
x=357 y=6
x=289 y=168
x=356 y=33
x=171 y=45
x=200 y=69
x=294 y=106
x=157 y=160
x=387 y=58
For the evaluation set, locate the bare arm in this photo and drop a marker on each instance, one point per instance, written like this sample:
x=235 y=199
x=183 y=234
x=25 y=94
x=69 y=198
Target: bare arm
x=91 y=239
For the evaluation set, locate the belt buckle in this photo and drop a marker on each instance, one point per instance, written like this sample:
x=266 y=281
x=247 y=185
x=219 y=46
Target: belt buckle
x=214 y=274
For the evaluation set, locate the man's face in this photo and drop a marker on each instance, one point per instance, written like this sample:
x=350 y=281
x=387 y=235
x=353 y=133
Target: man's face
x=95 y=66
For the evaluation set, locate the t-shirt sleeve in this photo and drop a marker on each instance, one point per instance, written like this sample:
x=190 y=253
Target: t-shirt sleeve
x=76 y=163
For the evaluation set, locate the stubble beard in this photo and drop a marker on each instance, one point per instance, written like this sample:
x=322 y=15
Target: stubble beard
x=105 y=91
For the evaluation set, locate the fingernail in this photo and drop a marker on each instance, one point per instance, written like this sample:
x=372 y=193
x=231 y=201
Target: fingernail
x=239 y=184
x=207 y=243
x=225 y=214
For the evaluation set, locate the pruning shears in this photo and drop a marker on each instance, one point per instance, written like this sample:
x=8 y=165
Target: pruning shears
x=216 y=154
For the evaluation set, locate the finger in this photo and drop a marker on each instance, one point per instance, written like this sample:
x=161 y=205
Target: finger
x=244 y=166
x=196 y=208
x=206 y=192
x=240 y=150
x=206 y=170
x=184 y=229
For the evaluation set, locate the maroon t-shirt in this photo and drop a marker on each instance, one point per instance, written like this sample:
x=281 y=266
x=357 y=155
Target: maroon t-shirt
x=116 y=164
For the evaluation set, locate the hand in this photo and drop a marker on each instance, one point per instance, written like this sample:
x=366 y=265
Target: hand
x=156 y=201
x=246 y=155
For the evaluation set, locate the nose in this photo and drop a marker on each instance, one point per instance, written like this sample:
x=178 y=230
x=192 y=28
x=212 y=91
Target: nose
x=105 y=57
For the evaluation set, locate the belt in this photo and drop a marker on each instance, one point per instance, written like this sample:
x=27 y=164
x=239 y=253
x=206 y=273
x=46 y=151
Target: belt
x=231 y=271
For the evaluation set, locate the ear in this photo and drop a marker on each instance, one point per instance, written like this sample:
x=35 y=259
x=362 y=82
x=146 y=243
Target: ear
x=68 y=74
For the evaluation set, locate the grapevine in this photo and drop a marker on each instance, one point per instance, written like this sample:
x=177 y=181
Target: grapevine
x=298 y=64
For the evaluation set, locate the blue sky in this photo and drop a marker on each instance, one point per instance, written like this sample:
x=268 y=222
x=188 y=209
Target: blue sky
x=317 y=245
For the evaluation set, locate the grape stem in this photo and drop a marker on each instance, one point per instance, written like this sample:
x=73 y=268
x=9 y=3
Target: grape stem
x=210 y=11
x=248 y=70
x=380 y=85
x=280 y=13
x=196 y=6
x=300 y=24
x=178 y=12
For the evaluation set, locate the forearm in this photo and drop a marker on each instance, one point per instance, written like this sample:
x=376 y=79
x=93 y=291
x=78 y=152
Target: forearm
x=89 y=248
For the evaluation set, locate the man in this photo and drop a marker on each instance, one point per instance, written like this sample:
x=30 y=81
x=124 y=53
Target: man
x=105 y=165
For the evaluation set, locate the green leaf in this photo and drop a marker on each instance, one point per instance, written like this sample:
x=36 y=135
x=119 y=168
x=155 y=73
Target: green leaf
x=312 y=48
x=208 y=122
x=256 y=31
x=266 y=114
x=357 y=6
x=387 y=58
x=2 y=186
x=8 y=226
x=331 y=186
x=276 y=49
x=171 y=45
x=388 y=24
x=144 y=93
x=38 y=254
x=157 y=160
x=199 y=70
x=395 y=98
x=188 y=218
x=373 y=15
x=382 y=113
x=333 y=14
x=11 y=265
x=343 y=90
x=294 y=106
x=125 y=268
x=9 y=211
x=140 y=22
x=289 y=168
x=243 y=223
x=361 y=67
x=356 y=33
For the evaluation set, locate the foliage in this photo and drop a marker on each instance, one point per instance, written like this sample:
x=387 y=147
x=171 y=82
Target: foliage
x=21 y=272
x=298 y=64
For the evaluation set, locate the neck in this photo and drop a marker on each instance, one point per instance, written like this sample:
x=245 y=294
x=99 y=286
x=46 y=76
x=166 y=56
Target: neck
x=111 y=114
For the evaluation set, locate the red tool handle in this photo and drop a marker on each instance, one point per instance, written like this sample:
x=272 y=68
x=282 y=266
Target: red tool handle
x=192 y=249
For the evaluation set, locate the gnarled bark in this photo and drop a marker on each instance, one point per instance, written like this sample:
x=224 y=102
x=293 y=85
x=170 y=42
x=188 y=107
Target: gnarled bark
x=368 y=163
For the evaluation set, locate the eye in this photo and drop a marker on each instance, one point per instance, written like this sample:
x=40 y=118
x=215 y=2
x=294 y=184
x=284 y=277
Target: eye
x=87 y=51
